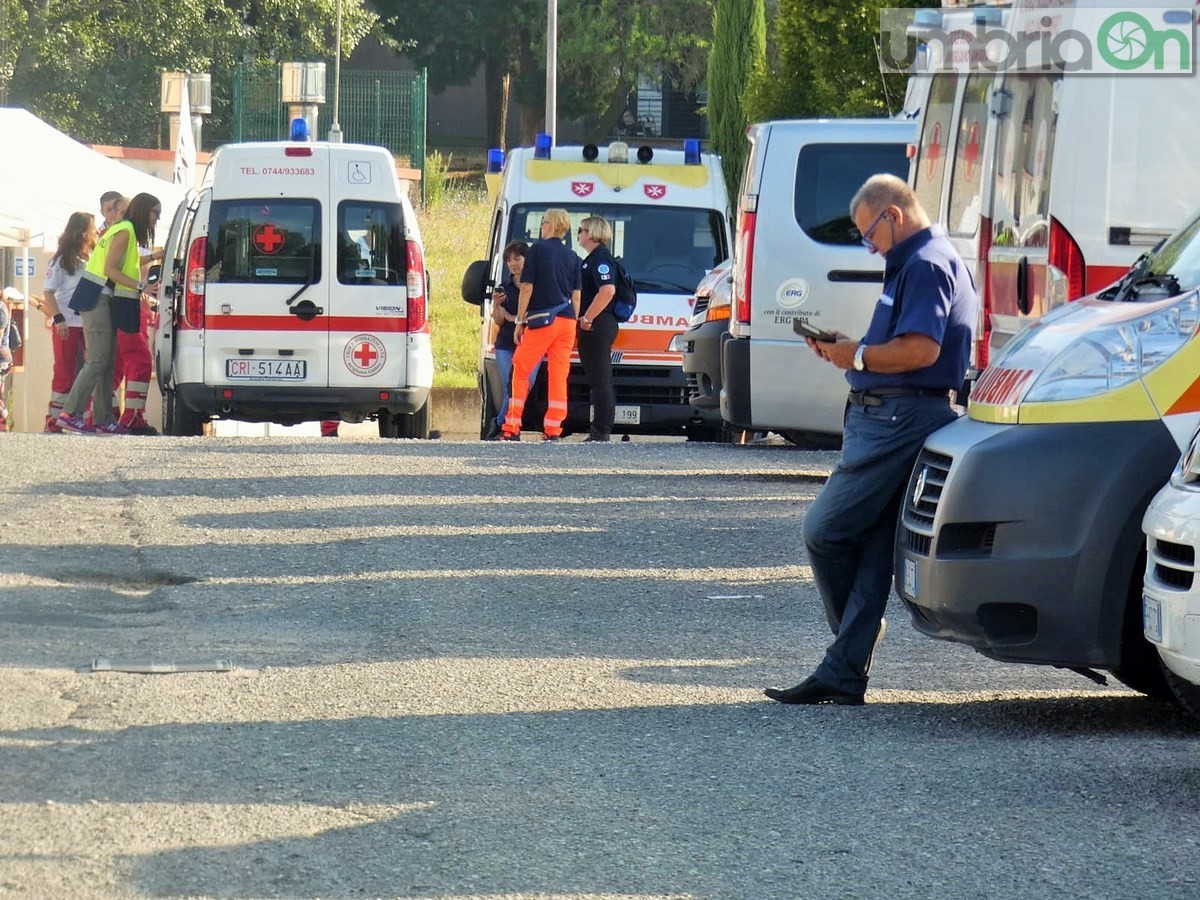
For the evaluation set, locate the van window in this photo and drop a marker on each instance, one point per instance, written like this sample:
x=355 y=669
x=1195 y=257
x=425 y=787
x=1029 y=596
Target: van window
x=664 y=249
x=266 y=241
x=371 y=246
x=827 y=178
x=930 y=163
x=1026 y=149
x=965 y=181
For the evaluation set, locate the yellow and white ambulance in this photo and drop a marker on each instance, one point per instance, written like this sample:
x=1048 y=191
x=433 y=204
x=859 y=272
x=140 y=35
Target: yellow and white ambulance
x=294 y=289
x=670 y=219
x=1021 y=529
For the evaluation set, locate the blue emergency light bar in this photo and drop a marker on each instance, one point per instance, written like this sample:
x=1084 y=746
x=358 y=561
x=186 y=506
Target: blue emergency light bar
x=691 y=151
x=299 y=129
x=541 y=145
x=495 y=160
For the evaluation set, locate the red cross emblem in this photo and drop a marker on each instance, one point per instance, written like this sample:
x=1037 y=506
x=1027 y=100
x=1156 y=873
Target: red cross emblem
x=268 y=239
x=933 y=150
x=971 y=154
x=365 y=354
x=654 y=191
x=582 y=188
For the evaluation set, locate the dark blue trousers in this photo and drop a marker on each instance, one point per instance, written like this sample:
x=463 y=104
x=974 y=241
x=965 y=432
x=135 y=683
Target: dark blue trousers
x=850 y=528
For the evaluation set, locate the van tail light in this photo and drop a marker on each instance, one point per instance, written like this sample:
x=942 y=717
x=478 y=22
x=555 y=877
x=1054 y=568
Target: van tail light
x=194 y=283
x=983 y=284
x=418 y=303
x=1065 y=266
x=744 y=270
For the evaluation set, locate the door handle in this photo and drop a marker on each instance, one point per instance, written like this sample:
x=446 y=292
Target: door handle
x=1024 y=304
x=306 y=310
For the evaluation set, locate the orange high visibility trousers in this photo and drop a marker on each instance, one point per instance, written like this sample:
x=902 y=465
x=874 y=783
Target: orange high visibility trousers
x=554 y=343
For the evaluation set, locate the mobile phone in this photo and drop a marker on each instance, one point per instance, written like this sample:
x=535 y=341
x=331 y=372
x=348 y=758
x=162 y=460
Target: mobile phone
x=801 y=327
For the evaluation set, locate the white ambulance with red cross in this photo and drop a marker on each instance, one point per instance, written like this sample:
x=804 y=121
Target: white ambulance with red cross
x=294 y=289
x=669 y=214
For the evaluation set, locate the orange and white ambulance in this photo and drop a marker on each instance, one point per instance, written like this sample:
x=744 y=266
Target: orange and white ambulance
x=294 y=289
x=670 y=219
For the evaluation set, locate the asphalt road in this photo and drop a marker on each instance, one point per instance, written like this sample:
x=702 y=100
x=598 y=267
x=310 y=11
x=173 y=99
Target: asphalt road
x=493 y=670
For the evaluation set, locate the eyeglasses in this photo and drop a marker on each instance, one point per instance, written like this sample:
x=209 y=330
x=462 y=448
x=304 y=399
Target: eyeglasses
x=866 y=235
x=582 y=231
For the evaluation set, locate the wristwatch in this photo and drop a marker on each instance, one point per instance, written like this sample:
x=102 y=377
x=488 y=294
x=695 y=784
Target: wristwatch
x=141 y=286
x=860 y=360
x=59 y=318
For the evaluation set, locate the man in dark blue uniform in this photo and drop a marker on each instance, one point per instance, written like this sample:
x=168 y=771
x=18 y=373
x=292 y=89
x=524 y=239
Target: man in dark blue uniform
x=915 y=352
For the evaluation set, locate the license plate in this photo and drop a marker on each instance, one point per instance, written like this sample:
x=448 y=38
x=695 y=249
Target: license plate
x=251 y=369
x=628 y=415
x=1152 y=619
x=910 y=578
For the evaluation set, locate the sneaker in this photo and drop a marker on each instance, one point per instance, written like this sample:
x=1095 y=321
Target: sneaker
x=505 y=436
x=74 y=424
x=551 y=438
x=144 y=429
x=52 y=427
x=112 y=428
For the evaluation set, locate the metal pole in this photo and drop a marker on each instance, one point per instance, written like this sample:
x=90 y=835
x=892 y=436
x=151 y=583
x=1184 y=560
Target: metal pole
x=335 y=130
x=551 y=68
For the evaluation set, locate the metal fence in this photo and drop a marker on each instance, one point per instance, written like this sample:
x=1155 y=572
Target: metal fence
x=376 y=107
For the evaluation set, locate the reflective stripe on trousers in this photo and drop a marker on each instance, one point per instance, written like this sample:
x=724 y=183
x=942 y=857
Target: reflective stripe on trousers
x=554 y=343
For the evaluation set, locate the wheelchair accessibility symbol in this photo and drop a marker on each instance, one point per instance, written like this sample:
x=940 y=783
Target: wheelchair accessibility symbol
x=358 y=172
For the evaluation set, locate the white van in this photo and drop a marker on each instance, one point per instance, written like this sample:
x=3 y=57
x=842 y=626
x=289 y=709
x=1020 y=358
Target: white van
x=799 y=256
x=669 y=214
x=294 y=289
x=1052 y=182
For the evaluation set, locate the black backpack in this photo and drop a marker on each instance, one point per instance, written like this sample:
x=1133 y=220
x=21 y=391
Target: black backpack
x=625 y=300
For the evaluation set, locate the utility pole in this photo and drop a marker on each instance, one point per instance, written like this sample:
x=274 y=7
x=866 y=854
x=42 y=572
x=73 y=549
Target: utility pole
x=551 y=68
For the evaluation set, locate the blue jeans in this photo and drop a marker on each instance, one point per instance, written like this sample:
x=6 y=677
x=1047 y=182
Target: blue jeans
x=504 y=366
x=850 y=529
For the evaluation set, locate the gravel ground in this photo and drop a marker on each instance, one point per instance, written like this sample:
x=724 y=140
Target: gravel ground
x=463 y=670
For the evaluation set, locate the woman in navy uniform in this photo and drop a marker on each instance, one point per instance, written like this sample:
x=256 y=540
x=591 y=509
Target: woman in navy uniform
x=598 y=326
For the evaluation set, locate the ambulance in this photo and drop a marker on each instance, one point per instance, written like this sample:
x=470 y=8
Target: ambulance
x=1021 y=527
x=294 y=289
x=670 y=219
x=1051 y=173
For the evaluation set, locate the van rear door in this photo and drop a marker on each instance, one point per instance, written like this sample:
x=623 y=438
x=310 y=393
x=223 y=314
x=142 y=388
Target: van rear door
x=266 y=288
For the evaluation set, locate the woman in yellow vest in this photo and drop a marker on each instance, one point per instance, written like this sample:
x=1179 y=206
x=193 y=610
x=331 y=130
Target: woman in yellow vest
x=116 y=264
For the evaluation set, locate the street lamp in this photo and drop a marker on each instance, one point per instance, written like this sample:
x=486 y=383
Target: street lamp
x=335 y=130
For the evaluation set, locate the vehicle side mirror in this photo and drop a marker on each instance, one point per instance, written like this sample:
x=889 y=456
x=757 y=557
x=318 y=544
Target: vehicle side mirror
x=474 y=283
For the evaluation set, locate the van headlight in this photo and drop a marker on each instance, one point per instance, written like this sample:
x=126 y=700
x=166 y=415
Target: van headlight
x=1106 y=358
x=1187 y=473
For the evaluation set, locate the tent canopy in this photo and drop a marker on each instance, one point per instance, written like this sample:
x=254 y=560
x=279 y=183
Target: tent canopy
x=47 y=176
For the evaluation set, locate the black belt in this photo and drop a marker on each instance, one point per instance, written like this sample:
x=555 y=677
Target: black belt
x=876 y=396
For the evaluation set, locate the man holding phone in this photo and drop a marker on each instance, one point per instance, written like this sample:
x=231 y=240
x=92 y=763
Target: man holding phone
x=915 y=352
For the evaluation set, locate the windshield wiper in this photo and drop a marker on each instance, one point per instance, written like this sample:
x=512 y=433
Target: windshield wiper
x=1165 y=280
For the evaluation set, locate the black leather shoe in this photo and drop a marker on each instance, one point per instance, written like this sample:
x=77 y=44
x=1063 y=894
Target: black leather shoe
x=505 y=436
x=493 y=432
x=812 y=691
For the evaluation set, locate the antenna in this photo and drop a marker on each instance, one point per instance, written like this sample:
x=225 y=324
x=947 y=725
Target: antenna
x=887 y=97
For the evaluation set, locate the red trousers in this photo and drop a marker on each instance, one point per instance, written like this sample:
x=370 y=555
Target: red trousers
x=68 y=360
x=133 y=366
x=554 y=343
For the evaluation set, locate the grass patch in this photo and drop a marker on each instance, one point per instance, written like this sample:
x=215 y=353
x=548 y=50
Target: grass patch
x=455 y=231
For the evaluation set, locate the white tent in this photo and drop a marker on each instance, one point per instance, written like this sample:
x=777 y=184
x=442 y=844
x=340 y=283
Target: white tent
x=46 y=175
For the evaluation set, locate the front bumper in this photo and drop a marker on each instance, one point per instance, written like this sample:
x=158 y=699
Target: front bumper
x=1171 y=590
x=1024 y=541
x=702 y=363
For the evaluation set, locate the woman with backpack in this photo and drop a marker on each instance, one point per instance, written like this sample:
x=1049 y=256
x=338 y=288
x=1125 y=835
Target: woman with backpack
x=598 y=325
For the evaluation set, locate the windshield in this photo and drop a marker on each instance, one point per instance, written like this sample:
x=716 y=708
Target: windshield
x=1180 y=256
x=664 y=249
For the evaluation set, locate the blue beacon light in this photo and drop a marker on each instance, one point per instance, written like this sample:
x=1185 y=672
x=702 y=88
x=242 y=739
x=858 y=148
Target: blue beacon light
x=495 y=160
x=541 y=146
x=691 y=152
x=299 y=129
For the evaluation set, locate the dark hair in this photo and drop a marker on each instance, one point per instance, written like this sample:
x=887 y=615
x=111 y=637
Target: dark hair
x=138 y=212
x=76 y=241
x=515 y=248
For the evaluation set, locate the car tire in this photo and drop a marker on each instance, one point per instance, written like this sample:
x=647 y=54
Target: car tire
x=414 y=425
x=1183 y=692
x=712 y=434
x=388 y=424
x=1141 y=668
x=179 y=419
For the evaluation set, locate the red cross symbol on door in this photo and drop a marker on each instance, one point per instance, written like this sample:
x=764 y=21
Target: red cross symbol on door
x=268 y=239
x=365 y=354
x=933 y=150
x=971 y=154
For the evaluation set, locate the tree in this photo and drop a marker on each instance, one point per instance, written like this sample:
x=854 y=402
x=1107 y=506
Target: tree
x=604 y=45
x=739 y=47
x=825 y=63
x=92 y=69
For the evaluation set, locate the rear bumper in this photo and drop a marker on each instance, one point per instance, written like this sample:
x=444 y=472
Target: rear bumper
x=287 y=406
x=735 y=381
x=702 y=363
